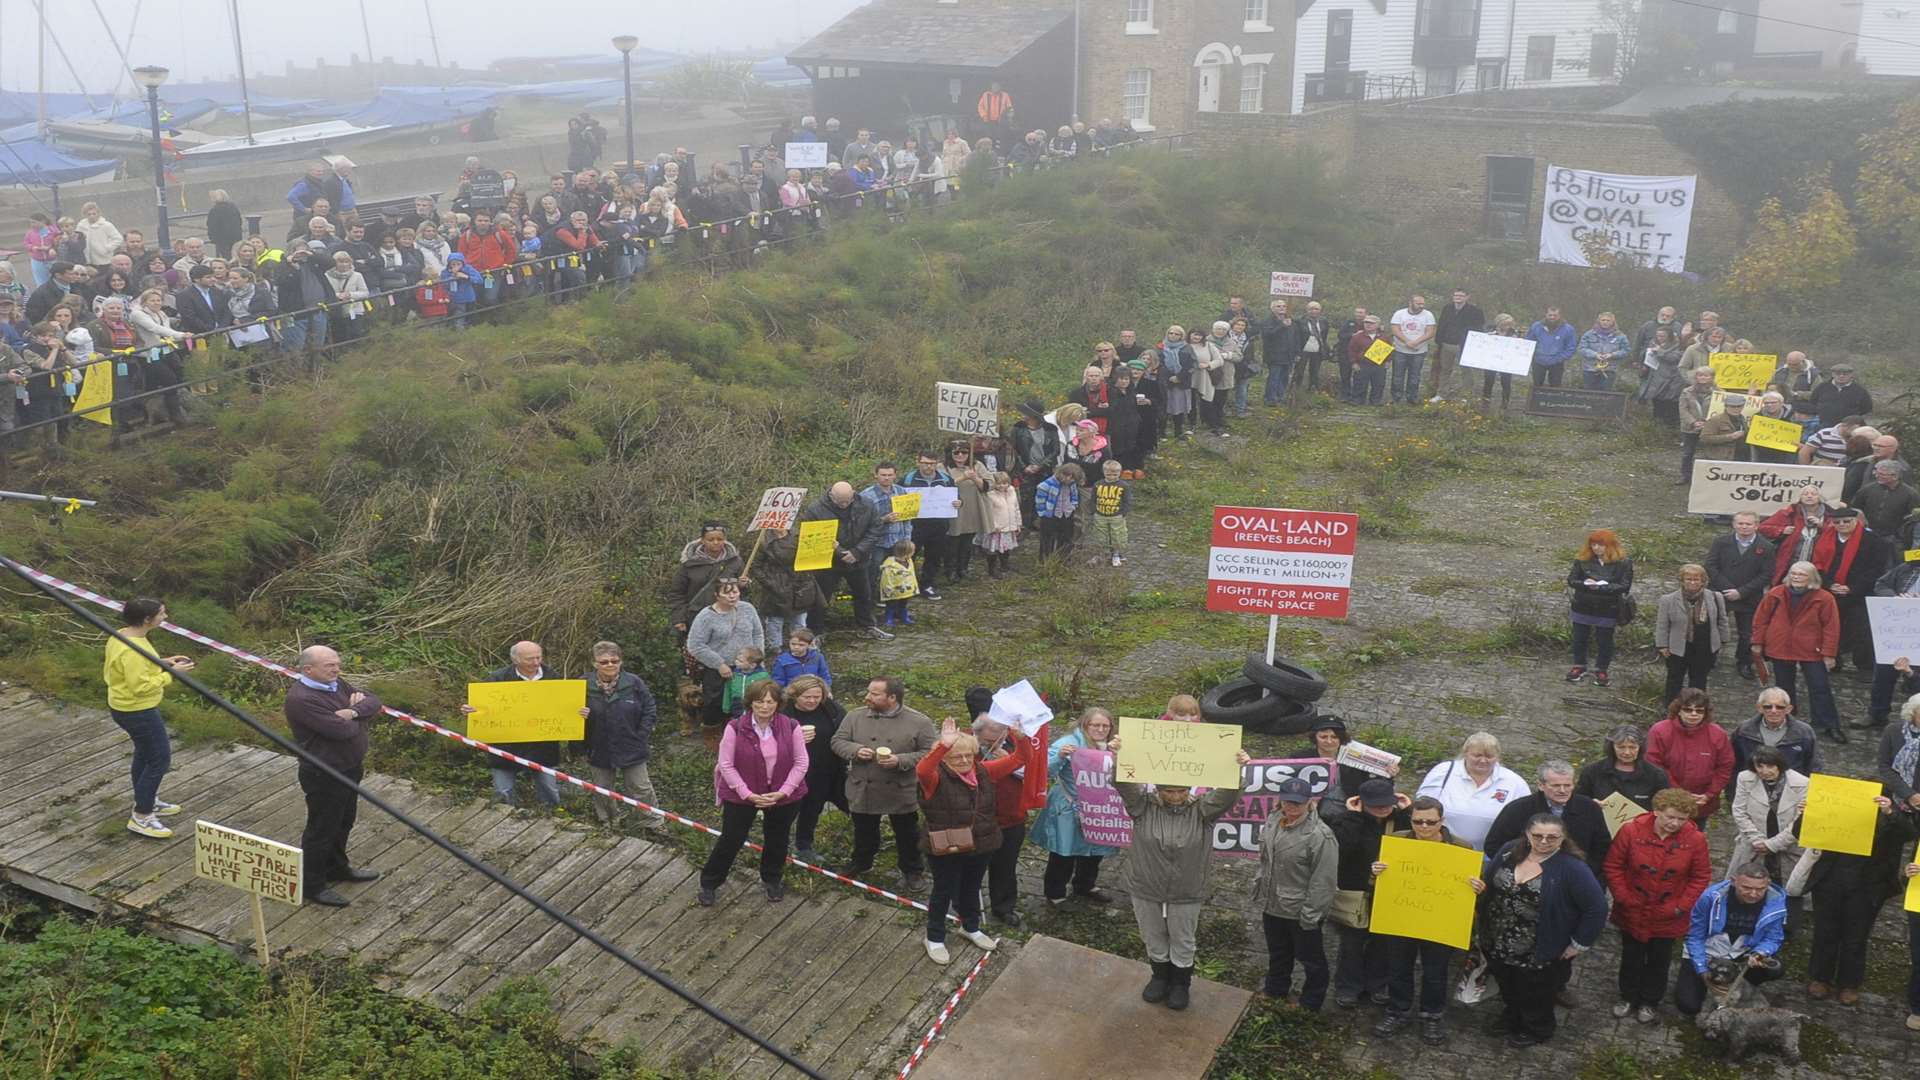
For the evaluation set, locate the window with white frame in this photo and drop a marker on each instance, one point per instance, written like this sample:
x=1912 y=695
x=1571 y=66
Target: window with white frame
x=1256 y=16
x=1136 y=96
x=1253 y=80
x=1139 y=16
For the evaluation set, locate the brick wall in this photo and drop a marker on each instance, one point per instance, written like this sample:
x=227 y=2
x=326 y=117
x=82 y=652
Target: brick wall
x=1431 y=162
x=1108 y=52
x=1327 y=131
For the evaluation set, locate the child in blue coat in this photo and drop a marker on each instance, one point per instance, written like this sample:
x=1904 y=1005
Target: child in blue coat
x=461 y=281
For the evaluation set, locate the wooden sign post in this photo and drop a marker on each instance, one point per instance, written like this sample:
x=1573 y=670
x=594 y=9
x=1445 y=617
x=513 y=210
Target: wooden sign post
x=264 y=868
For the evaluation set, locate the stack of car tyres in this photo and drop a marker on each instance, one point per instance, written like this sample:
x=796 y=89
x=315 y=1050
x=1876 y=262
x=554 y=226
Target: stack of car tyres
x=1268 y=699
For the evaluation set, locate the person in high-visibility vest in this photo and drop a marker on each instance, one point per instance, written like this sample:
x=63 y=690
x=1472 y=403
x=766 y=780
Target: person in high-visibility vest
x=995 y=104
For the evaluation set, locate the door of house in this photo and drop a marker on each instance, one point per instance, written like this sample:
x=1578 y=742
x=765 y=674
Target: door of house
x=1339 y=41
x=1209 y=88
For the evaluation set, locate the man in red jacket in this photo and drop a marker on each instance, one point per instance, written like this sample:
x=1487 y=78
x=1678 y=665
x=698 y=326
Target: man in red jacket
x=490 y=250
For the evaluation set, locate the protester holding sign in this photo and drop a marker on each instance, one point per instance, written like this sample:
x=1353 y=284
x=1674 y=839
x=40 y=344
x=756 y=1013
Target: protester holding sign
x=1898 y=756
x=1168 y=869
x=1299 y=867
x=1543 y=907
x=1426 y=821
x=1656 y=869
x=1621 y=769
x=1361 y=969
x=1695 y=408
x=1071 y=859
x=528 y=666
x=1602 y=582
x=1010 y=807
x=1848 y=891
x=135 y=684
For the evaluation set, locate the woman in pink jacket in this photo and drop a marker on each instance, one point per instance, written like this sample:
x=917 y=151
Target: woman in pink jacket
x=762 y=770
x=1695 y=751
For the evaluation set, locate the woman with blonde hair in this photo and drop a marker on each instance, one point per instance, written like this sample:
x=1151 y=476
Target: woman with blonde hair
x=1689 y=627
x=1474 y=787
x=102 y=236
x=958 y=801
x=1070 y=857
x=1602 y=584
x=1503 y=326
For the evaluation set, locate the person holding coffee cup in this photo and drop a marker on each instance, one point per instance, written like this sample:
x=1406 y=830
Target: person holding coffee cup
x=881 y=742
x=957 y=796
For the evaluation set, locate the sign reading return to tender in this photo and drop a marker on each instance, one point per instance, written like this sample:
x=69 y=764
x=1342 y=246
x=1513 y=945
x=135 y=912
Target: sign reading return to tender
x=1640 y=220
x=1281 y=562
x=969 y=410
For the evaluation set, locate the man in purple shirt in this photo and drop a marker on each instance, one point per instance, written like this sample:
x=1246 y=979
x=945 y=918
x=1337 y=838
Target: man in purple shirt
x=328 y=719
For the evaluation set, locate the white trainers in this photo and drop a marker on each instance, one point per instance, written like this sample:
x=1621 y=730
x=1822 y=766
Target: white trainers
x=148 y=826
x=980 y=938
x=164 y=809
x=937 y=952
x=1436 y=400
x=1116 y=558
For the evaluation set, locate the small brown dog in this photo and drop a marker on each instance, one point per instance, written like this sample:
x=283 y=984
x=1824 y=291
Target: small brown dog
x=691 y=703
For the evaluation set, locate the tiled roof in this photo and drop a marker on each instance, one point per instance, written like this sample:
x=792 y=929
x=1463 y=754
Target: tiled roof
x=922 y=32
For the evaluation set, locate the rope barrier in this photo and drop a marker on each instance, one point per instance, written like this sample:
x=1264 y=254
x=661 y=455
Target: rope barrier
x=946 y=1011
x=474 y=862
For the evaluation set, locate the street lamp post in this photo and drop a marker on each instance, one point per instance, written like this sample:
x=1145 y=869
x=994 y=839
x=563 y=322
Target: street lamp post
x=151 y=78
x=626 y=44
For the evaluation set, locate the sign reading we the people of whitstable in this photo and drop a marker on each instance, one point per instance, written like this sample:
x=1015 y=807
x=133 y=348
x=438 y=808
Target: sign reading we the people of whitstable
x=255 y=864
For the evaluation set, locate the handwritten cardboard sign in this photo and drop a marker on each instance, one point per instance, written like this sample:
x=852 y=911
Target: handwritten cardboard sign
x=1494 y=352
x=968 y=410
x=1290 y=284
x=522 y=711
x=1896 y=627
x=1840 y=814
x=1237 y=834
x=1175 y=753
x=1619 y=810
x=1774 y=434
x=255 y=864
x=817 y=540
x=1379 y=351
x=1913 y=894
x=1424 y=893
x=1371 y=758
x=1743 y=371
x=1103 y=820
x=1728 y=487
x=778 y=508
x=906 y=505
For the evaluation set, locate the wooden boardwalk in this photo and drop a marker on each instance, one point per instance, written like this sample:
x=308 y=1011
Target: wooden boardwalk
x=841 y=980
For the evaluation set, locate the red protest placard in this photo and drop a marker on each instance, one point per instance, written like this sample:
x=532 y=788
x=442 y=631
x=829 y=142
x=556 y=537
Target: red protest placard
x=1281 y=562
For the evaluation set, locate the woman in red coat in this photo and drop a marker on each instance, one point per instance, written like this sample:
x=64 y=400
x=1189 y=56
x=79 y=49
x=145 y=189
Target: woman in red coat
x=1695 y=751
x=1657 y=867
x=1800 y=531
x=1797 y=629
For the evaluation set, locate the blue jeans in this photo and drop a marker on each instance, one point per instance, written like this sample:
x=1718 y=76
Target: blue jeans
x=545 y=788
x=1597 y=380
x=42 y=272
x=777 y=628
x=1825 y=716
x=1406 y=377
x=1601 y=636
x=1278 y=374
x=1240 y=394
x=303 y=331
x=152 y=754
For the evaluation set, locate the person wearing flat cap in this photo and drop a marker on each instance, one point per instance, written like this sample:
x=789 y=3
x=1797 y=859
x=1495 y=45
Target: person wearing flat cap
x=1374 y=810
x=1036 y=452
x=1299 y=864
x=1724 y=436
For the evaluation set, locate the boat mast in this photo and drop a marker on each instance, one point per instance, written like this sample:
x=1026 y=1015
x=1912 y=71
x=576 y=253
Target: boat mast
x=240 y=59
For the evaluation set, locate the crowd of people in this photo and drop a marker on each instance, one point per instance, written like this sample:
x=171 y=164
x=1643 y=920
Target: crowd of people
x=100 y=294
x=1786 y=590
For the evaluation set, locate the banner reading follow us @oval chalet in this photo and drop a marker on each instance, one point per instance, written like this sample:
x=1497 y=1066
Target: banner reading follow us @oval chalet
x=1639 y=220
x=1281 y=562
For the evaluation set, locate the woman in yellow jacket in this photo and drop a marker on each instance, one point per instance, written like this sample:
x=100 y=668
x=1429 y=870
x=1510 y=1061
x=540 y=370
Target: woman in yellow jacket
x=134 y=688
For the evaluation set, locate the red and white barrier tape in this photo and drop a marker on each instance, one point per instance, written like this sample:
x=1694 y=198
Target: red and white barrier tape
x=668 y=815
x=946 y=1012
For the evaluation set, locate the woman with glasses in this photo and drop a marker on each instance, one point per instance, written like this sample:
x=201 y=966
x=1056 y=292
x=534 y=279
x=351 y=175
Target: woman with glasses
x=1768 y=796
x=1657 y=867
x=1427 y=819
x=1694 y=751
x=1542 y=907
x=620 y=719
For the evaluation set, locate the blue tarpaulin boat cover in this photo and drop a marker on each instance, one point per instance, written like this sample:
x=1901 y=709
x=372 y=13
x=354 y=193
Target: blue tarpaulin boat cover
x=32 y=163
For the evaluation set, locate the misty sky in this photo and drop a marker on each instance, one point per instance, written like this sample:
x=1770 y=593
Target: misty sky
x=191 y=36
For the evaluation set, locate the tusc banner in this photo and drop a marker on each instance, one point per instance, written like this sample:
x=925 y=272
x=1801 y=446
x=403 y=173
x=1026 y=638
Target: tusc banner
x=1281 y=562
x=1642 y=220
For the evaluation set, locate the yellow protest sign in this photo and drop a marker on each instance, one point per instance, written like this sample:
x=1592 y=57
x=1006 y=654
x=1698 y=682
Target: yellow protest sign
x=906 y=506
x=1774 y=434
x=1424 y=893
x=1913 y=894
x=1840 y=814
x=1619 y=810
x=96 y=390
x=1743 y=371
x=522 y=711
x=1910 y=555
x=817 y=539
x=1176 y=752
x=1379 y=351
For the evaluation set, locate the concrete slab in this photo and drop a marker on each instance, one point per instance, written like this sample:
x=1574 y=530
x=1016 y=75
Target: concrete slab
x=1097 y=995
